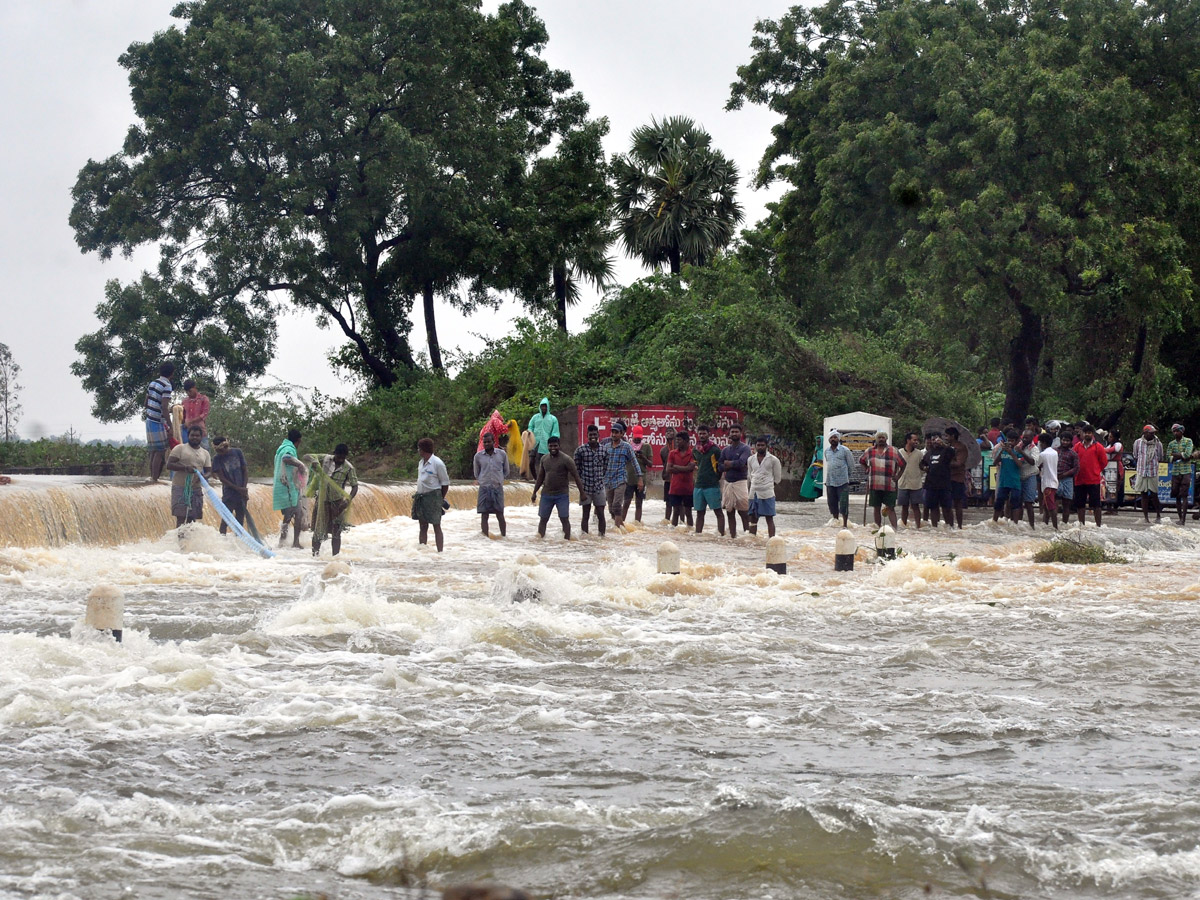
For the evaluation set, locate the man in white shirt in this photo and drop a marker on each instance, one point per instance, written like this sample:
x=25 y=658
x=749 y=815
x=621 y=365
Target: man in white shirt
x=1048 y=464
x=764 y=471
x=911 y=480
x=429 y=502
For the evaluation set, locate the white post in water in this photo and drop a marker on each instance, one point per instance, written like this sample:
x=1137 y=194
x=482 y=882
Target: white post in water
x=777 y=555
x=106 y=609
x=885 y=543
x=844 y=546
x=668 y=559
x=335 y=569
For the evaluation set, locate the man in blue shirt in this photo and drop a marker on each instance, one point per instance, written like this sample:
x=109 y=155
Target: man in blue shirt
x=735 y=495
x=838 y=464
x=620 y=454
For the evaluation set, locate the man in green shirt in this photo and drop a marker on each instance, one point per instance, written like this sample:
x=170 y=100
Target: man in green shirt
x=707 y=492
x=1179 y=454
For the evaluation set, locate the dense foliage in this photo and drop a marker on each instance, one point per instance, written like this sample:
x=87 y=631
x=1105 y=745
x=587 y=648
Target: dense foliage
x=1021 y=173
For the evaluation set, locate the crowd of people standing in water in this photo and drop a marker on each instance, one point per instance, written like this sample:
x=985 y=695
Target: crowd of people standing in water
x=1058 y=468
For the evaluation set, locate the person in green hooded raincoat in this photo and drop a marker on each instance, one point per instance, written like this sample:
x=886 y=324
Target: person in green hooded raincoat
x=286 y=495
x=542 y=426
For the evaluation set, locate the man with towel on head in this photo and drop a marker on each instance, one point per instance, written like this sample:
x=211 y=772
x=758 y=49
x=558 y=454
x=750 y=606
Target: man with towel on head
x=838 y=462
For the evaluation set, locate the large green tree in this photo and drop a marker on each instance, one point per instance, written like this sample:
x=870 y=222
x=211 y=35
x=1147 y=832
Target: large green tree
x=347 y=156
x=567 y=230
x=1025 y=169
x=675 y=195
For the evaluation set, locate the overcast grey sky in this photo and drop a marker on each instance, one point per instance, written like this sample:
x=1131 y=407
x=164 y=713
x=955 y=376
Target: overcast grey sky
x=65 y=99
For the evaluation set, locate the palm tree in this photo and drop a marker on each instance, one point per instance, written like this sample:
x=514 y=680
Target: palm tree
x=586 y=260
x=675 y=195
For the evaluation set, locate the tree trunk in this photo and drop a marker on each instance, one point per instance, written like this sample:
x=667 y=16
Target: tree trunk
x=673 y=255
x=560 y=294
x=1137 y=371
x=1024 y=353
x=435 y=349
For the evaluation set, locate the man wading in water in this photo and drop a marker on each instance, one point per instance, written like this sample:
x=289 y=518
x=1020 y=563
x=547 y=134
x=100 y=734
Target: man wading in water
x=491 y=468
x=429 y=502
x=187 y=497
x=556 y=470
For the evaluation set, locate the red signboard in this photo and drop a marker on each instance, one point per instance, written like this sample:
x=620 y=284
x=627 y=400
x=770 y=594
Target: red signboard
x=655 y=420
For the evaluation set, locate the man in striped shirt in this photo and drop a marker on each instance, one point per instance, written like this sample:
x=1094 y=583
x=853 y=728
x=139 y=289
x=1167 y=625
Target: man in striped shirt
x=158 y=419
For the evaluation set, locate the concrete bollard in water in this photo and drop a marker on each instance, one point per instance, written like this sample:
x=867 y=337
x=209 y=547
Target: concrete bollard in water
x=106 y=609
x=777 y=555
x=334 y=570
x=668 y=559
x=844 y=547
x=885 y=543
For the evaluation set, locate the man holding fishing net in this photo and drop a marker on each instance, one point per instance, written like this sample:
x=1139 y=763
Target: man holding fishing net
x=187 y=497
x=333 y=482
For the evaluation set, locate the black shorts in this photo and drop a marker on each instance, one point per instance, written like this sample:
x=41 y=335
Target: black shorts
x=1087 y=495
x=680 y=501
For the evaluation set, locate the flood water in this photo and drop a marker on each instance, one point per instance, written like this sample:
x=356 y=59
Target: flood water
x=961 y=722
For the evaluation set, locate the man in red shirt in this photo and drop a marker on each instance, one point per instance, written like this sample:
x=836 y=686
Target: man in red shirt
x=1093 y=457
x=680 y=478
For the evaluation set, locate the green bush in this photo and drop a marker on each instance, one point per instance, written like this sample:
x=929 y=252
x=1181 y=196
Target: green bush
x=1067 y=550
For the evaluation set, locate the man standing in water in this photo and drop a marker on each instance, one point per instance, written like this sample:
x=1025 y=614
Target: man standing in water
x=1028 y=453
x=679 y=474
x=912 y=479
x=620 y=456
x=285 y=497
x=331 y=508
x=1147 y=454
x=958 y=474
x=1179 y=452
x=884 y=467
x=591 y=462
x=838 y=460
x=663 y=453
x=187 y=497
x=429 y=502
x=542 y=426
x=1068 y=468
x=491 y=468
x=158 y=419
x=1093 y=457
x=229 y=466
x=1048 y=465
x=938 y=497
x=1007 y=463
x=764 y=472
x=642 y=451
x=735 y=495
x=556 y=470
x=707 y=492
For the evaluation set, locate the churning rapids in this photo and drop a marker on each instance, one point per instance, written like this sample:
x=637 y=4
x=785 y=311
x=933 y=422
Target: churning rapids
x=960 y=722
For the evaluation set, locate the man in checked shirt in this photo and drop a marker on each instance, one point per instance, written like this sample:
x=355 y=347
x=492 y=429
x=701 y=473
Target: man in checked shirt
x=619 y=455
x=591 y=459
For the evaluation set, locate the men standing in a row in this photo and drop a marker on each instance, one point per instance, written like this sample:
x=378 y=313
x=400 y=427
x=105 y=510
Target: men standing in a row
x=838 y=463
x=491 y=468
x=735 y=495
x=591 y=462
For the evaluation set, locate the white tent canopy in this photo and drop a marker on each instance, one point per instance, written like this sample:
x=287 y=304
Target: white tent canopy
x=857 y=427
